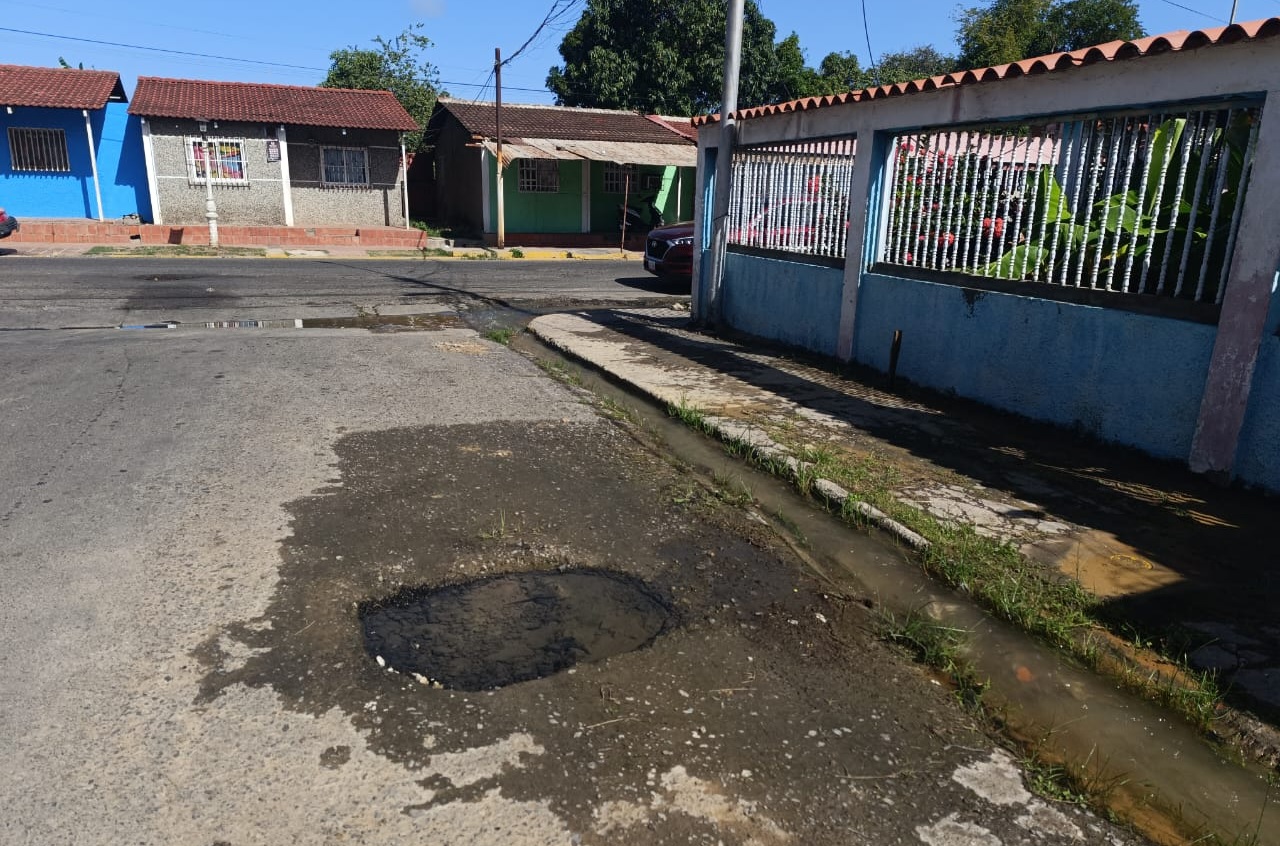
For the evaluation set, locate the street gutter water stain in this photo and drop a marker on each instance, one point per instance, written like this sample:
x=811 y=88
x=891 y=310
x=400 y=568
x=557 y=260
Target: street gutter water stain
x=498 y=631
x=1168 y=780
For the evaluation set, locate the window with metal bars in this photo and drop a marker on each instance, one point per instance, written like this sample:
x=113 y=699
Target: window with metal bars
x=344 y=165
x=792 y=197
x=619 y=179
x=33 y=149
x=539 y=176
x=221 y=159
x=1136 y=203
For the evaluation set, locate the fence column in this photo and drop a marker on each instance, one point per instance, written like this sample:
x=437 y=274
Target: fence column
x=1250 y=287
x=864 y=221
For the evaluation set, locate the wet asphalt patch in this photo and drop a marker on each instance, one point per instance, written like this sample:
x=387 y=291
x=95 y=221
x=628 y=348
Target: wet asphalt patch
x=767 y=714
x=506 y=629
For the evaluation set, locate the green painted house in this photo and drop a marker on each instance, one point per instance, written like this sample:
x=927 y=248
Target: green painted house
x=566 y=174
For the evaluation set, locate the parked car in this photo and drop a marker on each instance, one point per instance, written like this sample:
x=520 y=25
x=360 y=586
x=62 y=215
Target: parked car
x=668 y=251
x=8 y=224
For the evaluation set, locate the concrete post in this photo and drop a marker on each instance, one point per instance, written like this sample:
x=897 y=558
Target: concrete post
x=1250 y=288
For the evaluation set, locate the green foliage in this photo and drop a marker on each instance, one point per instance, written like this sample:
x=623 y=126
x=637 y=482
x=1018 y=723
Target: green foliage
x=1010 y=30
x=398 y=66
x=917 y=63
x=1151 y=220
x=667 y=57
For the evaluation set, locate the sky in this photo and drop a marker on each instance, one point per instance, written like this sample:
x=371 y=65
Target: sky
x=289 y=42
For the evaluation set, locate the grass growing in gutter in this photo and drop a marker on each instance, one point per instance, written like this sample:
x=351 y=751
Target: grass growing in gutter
x=502 y=335
x=993 y=573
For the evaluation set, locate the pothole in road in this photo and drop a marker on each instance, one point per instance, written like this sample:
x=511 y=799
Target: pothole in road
x=511 y=628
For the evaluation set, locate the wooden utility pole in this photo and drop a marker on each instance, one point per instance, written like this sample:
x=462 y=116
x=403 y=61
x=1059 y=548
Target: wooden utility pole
x=497 y=120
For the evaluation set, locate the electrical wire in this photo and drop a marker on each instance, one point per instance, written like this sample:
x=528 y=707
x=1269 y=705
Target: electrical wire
x=1194 y=11
x=559 y=8
x=866 y=29
x=160 y=50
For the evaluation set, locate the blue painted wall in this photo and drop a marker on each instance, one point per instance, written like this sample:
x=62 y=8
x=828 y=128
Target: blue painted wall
x=1123 y=377
x=121 y=167
x=794 y=303
x=1258 y=455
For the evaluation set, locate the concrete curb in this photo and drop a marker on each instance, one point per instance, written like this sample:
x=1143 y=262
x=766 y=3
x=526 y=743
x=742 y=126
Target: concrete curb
x=303 y=253
x=759 y=446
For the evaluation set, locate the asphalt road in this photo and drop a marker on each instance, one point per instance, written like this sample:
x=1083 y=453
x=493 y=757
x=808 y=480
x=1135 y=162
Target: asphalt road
x=193 y=522
x=96 y=291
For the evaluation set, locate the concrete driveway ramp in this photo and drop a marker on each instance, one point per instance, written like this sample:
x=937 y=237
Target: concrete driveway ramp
x=505 y=629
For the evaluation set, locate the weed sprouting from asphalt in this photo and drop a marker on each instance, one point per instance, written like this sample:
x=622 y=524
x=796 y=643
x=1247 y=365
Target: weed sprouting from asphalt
x=690 y=415
x=934 y=645
x=501 y=335
x=732 y=490
x=559 y=370
x=499 y=530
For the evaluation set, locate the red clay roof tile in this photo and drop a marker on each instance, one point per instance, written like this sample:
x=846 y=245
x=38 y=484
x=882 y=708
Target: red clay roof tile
x=156 y=97
x=58 y=88
x=1054 y=62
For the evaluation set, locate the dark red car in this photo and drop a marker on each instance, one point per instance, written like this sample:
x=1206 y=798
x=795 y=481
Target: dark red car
x=668 y=251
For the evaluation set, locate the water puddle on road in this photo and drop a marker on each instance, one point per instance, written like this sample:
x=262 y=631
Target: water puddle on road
x=388 y=322
x=498 y=631
x=1163 y=776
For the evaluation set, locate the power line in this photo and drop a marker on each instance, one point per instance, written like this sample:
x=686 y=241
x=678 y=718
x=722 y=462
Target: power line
x=160 y=50
x=558 y=10
x=866 y=28
x=234 y=59
x=1194 y=11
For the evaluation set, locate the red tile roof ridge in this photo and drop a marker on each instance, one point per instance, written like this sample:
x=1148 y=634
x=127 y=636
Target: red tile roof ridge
x=1110 y=51
x=58 y=88
x=264 y=102
x=273 y=85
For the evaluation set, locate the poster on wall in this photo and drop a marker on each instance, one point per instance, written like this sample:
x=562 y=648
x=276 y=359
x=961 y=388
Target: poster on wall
x=273 y=150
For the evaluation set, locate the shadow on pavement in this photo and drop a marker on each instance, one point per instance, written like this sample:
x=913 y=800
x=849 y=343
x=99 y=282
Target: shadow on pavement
x=1218 y=541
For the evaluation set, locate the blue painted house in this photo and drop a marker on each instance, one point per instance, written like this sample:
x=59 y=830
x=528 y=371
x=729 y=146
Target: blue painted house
x=68 y=147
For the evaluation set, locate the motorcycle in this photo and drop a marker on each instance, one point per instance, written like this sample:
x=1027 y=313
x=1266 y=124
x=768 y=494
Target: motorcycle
x=630 y=217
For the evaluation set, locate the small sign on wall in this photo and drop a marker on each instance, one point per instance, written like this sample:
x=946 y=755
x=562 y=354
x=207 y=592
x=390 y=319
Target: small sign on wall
x=273 y=149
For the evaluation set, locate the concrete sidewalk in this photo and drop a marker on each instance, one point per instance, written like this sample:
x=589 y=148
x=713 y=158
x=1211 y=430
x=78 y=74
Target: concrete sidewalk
x=1166 y=553
x=267 y=250
x=74 y=237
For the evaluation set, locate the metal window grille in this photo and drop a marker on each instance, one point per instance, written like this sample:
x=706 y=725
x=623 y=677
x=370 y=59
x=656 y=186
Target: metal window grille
x=1143 y=203
x=221 y=158
x=792 y=197
x=38 y=149
x=619 y=178
x=539 y=176
x=344 y=166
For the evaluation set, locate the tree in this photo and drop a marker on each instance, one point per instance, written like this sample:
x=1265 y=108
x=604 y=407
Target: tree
x=794 y=79
x=917 y=63
x=667 y=56
x=1010 y=30
x=842 y=72
x=397 y=66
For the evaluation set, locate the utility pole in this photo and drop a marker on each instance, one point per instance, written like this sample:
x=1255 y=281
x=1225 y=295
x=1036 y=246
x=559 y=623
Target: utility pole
x=497 y=120
x=210 y=207
x=724 y=160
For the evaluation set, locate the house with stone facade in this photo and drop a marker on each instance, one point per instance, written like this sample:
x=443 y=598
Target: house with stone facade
x=68 y=147
x=272 y=155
